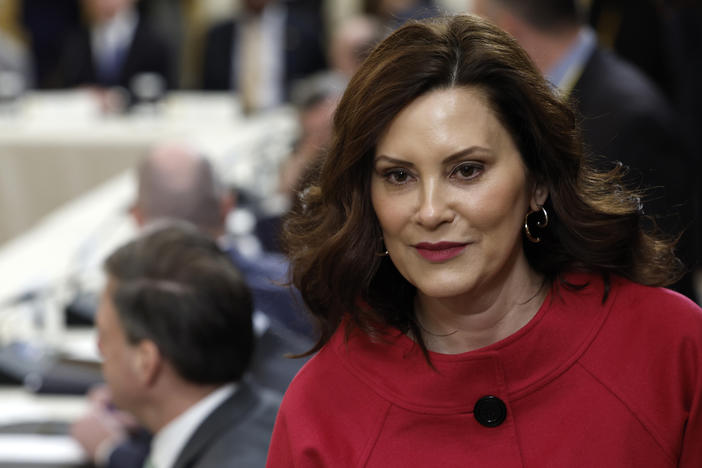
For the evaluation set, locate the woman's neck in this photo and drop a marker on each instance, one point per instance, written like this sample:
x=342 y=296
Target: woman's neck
x=465 y=323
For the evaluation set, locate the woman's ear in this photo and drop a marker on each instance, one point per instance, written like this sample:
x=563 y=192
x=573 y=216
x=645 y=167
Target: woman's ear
x=539 y=196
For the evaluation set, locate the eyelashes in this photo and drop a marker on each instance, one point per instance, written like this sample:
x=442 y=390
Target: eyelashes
x=465 y=171
x=397 y=176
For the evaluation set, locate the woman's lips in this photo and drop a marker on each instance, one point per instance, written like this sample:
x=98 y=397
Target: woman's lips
x=440 y=251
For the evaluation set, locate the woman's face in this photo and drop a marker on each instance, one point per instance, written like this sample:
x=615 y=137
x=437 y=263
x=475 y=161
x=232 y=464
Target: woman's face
x=450 y=191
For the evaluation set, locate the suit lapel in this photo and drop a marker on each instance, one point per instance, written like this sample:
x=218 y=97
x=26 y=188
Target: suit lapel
x=229 y=60
x=231 y=412
x=131 y=52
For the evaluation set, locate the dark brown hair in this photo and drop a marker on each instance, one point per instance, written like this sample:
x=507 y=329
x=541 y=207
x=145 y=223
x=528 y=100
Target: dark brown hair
x=333 y=237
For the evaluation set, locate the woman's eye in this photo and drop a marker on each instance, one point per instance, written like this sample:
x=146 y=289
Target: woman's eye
x=397 y=176
x=467 y=171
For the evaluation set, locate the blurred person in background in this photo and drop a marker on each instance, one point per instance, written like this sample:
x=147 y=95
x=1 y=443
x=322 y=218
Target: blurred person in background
x=315 y=99
x=352 y=42
x=664 y=39
x=176 y=335
x=262 y=51
x=118 y=48
x=636 y=31
x=176 y=182
x=625 y=117
x=394 y=13
x=684 y=29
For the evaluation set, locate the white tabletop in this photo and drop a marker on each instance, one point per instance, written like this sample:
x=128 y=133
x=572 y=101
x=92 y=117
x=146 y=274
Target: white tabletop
x=57 y=146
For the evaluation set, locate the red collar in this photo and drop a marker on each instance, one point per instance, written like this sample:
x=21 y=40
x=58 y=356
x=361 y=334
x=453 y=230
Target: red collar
x=544 y=348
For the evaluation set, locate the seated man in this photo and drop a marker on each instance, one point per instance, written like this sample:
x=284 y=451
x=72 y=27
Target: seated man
x=115 y=46
x=263 y=50
x=176 y=335
x=175 y=182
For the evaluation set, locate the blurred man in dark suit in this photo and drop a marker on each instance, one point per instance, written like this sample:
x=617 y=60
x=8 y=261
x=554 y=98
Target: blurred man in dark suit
x=624 y=117
x=176 y=335
x=116 y=48
x=176 y=182
x=262 y=51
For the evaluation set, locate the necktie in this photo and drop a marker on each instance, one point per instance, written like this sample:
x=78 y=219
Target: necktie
x=110 y=64
x=251 y=71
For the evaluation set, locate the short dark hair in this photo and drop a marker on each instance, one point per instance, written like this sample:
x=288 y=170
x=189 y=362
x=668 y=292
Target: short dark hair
x=175 y=286
x=334 y=239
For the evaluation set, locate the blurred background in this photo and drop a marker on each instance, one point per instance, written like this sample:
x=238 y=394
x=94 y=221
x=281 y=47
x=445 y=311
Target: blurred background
x=88 y=87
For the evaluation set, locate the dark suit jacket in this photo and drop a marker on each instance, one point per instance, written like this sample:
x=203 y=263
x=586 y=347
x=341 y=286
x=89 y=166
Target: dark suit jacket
x=131 y=454
x=149 y=52
x=266 y=276
x=303 y=50
x=626 y=118
x=269 y=368
x=235 y=434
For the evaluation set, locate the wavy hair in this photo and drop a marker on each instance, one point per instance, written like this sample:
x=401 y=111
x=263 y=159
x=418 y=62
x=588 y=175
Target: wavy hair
x=333 y=237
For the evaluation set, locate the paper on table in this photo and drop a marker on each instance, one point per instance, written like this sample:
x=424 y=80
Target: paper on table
x=80 y=345
x=55 y=449
x=19 y=406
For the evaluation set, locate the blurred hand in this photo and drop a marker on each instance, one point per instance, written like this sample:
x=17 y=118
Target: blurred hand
x=103 y=426
x=109 y=101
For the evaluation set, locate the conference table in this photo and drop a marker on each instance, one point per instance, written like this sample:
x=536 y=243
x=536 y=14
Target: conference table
x=66 y=171
x=55 y=146
x=66 y=183
x=34 y=423
x=33 y=429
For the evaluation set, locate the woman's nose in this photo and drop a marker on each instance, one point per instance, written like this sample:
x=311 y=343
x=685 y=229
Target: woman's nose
x=434 y=208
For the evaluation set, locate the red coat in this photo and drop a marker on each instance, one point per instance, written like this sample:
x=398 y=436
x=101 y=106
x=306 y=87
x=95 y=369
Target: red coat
x=584 y=384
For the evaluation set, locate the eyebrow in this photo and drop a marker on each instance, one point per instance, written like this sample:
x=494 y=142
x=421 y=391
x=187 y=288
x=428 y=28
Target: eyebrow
x=447 y=160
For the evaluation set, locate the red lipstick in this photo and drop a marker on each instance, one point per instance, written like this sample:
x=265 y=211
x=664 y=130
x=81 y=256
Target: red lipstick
x=440 y=251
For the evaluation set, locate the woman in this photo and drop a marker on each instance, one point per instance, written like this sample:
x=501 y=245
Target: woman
x=484 y=297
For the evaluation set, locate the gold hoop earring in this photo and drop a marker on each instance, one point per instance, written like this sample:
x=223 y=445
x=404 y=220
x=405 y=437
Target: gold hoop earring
x=540 y=223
